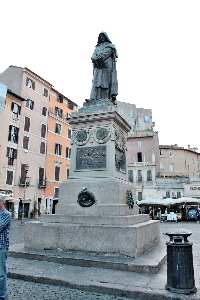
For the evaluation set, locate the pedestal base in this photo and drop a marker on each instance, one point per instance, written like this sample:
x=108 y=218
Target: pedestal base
x=133 y=240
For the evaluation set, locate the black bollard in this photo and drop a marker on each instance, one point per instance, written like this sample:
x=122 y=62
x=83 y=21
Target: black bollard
x=180 y=271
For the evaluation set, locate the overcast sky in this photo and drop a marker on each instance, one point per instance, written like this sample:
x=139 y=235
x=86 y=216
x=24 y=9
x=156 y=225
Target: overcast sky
x=158 y=44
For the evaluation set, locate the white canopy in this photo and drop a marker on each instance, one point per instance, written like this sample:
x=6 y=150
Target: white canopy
x=169 y=201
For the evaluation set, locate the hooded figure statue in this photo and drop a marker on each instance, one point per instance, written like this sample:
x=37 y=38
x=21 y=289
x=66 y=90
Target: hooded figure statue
x=104 y=84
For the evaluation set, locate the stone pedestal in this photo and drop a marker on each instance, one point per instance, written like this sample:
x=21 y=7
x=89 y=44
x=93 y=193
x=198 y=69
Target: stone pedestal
x=96 y=211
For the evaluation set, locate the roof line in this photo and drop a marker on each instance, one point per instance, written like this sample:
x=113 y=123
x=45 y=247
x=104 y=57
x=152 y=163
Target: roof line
x=15 y=95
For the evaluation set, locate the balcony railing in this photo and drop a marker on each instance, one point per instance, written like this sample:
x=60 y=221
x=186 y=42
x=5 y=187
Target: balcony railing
x=58 y=115
x=42 y=184
x=24 y=181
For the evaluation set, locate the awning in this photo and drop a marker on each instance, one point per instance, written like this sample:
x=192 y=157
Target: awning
x=169 y=201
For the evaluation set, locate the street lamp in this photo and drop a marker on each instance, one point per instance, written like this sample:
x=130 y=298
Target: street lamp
x=26 y=168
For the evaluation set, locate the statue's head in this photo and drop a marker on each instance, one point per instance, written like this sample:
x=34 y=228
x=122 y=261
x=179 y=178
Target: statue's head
x=103 y=37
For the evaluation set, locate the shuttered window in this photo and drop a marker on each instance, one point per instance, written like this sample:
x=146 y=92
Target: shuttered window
x=11 y=154
x=57 y=173
x=30 y=104
x=27 y=122
x=58 y=149
x=130 y=175
x=13 y=134
x=30 y=83
x=43 y=130
x=42 y=147
x=25 y=142
x=9 y=179
x=58 y=128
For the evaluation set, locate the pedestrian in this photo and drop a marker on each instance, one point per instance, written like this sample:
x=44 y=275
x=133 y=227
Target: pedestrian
x=5 y=220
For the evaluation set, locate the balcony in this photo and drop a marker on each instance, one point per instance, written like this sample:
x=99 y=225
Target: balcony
x=24 y=181
x=42 y=184
x=142 y=164
x=142 y=133
x=58 y=115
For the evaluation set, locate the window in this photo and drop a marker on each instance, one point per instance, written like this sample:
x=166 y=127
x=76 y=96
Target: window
x=42 y=147
x=44 y=111
x=58 y=149
x=69 y=133
x=16 y=109
x=167 y=194
x=68 y=152
x=130 y=175
x=139 y=175
x=139 y=143
x=139 y=195
x=60 y=98
x=58 y=128
x=11 y=154
x=13 y=134
x=43 y=130
x=178 y=194
x=171 y=167
x=57 y=173
x=45 y=93
x=25 y=142
x=29 y=103
x=170 y=153
x=67 y=171
x=149 y=175
x=24 y=178
x=30 y=83
x=70 y=105
x=162 y=166
x=58 y=111
x=56 y=193
x=146 y=118
x=139 y=156
x=9 y=178
x=27 y=122
x=161 y=153
x=131 y=113
x=132 y=127
x=41 y=177
x=120 y=110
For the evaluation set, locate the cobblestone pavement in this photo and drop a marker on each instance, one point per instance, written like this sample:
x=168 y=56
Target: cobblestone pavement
x=24 y=290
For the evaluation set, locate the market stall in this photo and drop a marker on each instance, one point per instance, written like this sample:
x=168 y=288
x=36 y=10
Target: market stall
x=168 y=209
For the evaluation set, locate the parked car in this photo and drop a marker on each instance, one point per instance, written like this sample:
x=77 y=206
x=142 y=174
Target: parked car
x=192 y=214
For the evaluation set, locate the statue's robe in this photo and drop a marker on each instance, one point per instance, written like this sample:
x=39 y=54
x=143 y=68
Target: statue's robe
x=104 y=84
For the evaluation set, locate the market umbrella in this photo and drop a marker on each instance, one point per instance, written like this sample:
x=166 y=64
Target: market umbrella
x=164 y=202
x=187 y=200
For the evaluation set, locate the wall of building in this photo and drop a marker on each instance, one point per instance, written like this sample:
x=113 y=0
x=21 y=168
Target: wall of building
x=138 y=118
x=12 y=77
x=177 y=161
x=60 y=161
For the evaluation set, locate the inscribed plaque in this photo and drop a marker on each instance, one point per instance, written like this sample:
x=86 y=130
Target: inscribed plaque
x=91 y=158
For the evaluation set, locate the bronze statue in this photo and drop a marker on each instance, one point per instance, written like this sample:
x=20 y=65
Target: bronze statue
x=104 y=84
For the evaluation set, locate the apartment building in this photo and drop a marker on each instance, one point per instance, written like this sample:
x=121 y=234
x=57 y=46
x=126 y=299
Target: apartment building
x=9 y=151
x=58 y=147
x=140 y=119
x=179 y=162
x=179 y=173
x=143 y=149
x=28 y=135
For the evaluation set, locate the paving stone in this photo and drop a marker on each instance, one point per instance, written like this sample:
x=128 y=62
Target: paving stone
x=25 y=290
